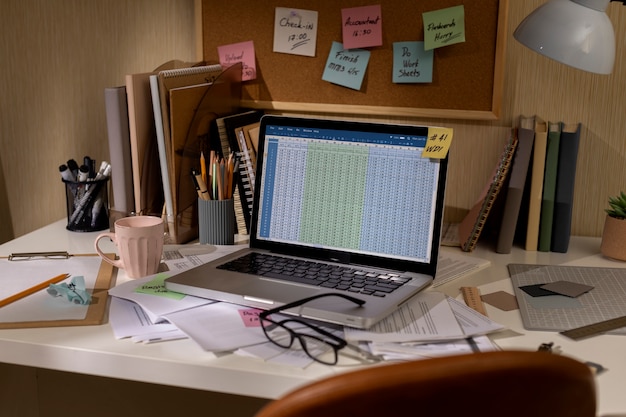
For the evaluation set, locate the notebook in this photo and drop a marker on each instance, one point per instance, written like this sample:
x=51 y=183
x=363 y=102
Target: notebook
x=344 y=195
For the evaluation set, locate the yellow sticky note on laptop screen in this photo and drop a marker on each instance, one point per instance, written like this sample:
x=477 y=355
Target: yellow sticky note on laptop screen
x=438 y=143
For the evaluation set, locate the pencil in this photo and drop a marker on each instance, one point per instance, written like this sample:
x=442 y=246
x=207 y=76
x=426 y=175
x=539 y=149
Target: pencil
x=33 y=290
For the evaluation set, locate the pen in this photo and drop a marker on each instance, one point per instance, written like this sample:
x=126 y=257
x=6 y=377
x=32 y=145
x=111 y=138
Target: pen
x=33 y=290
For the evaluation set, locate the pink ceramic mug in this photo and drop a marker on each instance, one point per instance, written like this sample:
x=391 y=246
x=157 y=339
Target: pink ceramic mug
x=139 y=242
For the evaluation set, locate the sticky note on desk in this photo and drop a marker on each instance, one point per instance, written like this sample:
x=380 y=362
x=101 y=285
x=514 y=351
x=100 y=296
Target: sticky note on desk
x=438 y=142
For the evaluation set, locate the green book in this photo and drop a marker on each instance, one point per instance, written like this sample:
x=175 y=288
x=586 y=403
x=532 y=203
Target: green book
x=549 y=186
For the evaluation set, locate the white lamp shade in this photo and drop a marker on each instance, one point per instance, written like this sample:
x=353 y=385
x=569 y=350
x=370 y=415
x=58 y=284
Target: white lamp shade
x=577 y=33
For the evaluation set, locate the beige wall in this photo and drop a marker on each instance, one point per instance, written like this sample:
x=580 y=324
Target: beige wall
x=58 y=55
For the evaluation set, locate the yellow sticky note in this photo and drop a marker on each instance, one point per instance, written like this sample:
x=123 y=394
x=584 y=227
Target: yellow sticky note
x=438 y=143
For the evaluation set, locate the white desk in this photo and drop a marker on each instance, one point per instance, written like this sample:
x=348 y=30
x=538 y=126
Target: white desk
x=93 y=350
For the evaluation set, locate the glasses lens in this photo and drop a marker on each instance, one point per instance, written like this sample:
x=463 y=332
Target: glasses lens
x=277 y=334
x=318 y=349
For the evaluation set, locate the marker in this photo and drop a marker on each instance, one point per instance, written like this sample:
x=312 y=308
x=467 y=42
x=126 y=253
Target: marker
x=73 y=166
x=66 y=173
x=83 y=173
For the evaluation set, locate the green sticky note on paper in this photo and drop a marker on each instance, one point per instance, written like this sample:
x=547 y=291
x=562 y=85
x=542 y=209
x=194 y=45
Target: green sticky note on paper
x=444 y=27
x=346 y=66
x=157 y=287
x=411 y=63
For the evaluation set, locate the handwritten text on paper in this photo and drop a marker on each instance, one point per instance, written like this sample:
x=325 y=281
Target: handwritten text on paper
x=346 y=67
x=295 y=31
x=239 y=52
x=411 y=63
x=444 y=27
x=438 y=143
x=362 y=27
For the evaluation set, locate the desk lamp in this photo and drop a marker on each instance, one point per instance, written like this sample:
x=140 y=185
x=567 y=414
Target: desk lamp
x=577 y=33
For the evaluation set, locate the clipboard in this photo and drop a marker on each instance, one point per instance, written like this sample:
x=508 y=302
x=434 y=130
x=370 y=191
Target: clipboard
x=96 y=311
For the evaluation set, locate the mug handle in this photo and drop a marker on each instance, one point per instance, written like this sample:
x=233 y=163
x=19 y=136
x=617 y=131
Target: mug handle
x=118 y=263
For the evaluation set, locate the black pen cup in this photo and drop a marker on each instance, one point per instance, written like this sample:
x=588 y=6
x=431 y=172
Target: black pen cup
x=87 y=205
x=216 y=222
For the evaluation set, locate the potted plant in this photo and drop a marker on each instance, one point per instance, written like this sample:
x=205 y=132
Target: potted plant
x=614 y=235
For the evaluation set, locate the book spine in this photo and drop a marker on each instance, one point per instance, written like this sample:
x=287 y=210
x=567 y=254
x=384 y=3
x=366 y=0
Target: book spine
x=116 y=108
x=565 y=180
x=536 y=184
x=515 y=190
x=549 y=186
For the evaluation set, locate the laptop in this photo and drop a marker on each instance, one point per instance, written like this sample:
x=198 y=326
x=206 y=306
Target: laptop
x=349 y=199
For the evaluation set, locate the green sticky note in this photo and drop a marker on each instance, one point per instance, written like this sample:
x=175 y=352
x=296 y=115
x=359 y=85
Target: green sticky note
x=157 y=287
x=444 y=27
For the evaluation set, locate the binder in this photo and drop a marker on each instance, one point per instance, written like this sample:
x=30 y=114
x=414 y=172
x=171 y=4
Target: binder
x=238 y=144
x=536 y=184
x=472 y=225
x=192 y=108
x=517 y=182
x=118 y=132
x=549 y=186
x=146 y=173
x=565 y=179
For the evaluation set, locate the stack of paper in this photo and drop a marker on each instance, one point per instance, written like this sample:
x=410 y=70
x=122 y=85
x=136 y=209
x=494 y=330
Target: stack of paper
x=431 y=324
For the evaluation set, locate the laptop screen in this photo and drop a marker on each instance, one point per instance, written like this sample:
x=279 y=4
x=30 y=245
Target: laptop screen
x=347 y=190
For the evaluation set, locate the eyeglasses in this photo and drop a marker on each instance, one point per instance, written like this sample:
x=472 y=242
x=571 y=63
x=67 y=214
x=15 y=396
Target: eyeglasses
x=314 y=340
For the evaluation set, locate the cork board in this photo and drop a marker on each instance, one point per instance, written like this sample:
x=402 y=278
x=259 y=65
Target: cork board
x=467 y=77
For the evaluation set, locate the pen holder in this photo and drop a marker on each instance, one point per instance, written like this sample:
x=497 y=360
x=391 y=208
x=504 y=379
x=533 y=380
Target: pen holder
x=87 y=205
x=216 y=222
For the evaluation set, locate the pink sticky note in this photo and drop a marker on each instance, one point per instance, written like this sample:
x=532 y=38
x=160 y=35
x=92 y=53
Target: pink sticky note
x=250 y=317
x=362 y=27
x=239 y=52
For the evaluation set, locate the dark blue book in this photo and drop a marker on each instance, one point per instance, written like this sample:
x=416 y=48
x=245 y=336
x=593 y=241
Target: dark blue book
x=565 y=180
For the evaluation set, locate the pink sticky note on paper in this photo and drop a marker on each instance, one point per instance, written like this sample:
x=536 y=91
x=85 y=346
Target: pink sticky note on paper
x=250 y=317
x=239 y=52
x=362 y=27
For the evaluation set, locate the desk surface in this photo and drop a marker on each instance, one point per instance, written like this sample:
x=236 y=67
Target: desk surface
x=93 y=350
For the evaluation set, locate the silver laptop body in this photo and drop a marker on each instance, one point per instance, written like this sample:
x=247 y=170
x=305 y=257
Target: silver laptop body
x=340 y=193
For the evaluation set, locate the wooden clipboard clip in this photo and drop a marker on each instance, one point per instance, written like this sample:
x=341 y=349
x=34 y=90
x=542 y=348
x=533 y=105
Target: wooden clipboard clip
x=26 y=256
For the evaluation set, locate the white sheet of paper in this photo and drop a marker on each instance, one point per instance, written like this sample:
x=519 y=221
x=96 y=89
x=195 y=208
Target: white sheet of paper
x=128 y=319
x=16 y=276
x=472 y=322
x=218 y=327
x=426 y=317
x=178 y=259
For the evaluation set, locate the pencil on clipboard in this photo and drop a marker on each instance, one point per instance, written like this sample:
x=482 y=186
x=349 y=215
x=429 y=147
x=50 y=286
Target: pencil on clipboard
x=33 y=289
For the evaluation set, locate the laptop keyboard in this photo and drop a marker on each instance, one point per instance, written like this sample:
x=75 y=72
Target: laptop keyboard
x=318 y=274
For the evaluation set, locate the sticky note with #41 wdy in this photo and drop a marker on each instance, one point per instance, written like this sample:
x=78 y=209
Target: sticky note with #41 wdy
x=438 y=143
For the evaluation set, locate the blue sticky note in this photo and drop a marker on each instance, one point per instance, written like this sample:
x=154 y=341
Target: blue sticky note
x=411 y=63
x=346 y=67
